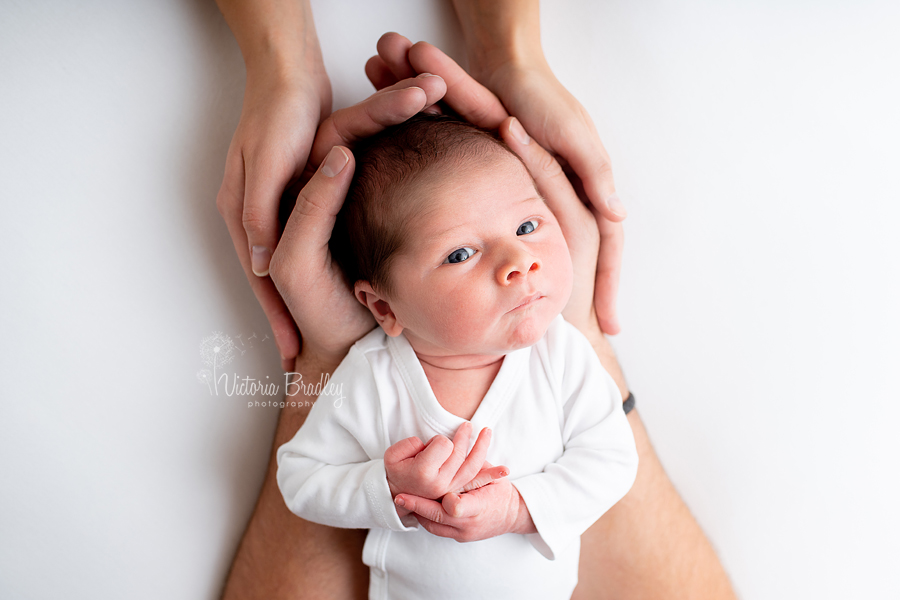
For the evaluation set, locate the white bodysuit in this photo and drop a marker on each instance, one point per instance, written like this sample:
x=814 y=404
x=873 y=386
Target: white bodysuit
x=557 y=424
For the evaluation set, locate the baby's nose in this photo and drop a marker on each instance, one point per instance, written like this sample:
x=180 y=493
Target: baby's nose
x=519 y=266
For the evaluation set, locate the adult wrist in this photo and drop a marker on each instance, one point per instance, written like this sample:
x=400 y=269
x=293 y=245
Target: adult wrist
x=500 y=35
x=277 y=38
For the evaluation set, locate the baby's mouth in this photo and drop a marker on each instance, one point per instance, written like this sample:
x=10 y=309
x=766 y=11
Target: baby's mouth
x=528 y=301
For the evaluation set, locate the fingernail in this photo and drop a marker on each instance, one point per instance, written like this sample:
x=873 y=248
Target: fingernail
x=423 y=75
x=259 y=260
x=518 y=132
x=334 y=162
x=399 y=501
x=615 y=206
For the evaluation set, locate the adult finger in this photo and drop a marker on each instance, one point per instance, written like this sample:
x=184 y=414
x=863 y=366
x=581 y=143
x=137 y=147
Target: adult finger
x=264 y=179
x=585 y=153
x=474 y=102
x=379 y=73
x=403 y=450
x=460 y=447
x=309 y=227
x=393 y=49
x=230 y=202
x=609 y=266
x=387 y=107
x=474 y=460
x=550 y=179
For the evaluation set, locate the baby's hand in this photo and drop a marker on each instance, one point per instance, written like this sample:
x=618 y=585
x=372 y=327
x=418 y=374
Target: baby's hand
x=440 y=466
x=486 y=512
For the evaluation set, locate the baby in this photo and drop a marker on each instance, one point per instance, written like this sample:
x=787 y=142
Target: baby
x=446 y=240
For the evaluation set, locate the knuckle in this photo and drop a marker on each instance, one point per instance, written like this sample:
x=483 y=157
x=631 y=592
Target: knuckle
x=253 y=221
x=226 y=204
x=549 y=166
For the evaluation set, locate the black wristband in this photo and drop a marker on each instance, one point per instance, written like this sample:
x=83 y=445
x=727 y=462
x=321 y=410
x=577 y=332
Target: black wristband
x=629 y=403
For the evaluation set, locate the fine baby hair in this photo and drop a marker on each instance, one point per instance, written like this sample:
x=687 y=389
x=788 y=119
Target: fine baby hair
x=390 y=168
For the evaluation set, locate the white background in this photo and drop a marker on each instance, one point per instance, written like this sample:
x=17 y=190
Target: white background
x=755 y=145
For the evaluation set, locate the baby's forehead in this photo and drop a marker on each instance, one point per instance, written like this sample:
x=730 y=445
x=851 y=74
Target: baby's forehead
x=465 y=191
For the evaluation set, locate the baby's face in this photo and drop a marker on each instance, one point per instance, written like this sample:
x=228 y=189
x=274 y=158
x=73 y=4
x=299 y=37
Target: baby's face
x=486 y=268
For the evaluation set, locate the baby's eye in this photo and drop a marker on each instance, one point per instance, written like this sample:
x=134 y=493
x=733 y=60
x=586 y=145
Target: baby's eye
x=527 y=227
x=461 y=255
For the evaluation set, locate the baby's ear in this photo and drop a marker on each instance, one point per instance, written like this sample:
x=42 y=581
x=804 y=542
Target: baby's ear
x=379 y=307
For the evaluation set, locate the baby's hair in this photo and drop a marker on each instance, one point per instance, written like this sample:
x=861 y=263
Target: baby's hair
x=371 y=227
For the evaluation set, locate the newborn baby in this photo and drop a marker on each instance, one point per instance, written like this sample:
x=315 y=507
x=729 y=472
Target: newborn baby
x=446 y=240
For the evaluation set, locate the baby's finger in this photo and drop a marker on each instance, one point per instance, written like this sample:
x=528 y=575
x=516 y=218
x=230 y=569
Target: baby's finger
x=609 y=265
x=435 y=454
x=463 y=506
x=474 y=102
x=484 y=477
x=460 y=447
x=474 y=461
x=379 y=73
x=438 y=529
x=393 y=49
x=428 y=509
x=403 y=450
x=390 y=106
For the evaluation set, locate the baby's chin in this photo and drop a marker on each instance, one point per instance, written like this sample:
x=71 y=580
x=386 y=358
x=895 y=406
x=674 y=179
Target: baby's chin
x=527 y=333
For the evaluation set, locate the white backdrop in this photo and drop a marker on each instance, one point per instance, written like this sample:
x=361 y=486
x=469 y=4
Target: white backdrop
x=755 y=145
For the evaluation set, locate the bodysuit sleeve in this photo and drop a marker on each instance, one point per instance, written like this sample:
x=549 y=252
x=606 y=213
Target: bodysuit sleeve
x=332 y=471
x=599 y=460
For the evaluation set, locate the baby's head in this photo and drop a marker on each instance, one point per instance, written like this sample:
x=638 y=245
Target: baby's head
x=444 y=236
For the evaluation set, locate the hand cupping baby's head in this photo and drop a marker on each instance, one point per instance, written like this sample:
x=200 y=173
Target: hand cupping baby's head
x=443 y=235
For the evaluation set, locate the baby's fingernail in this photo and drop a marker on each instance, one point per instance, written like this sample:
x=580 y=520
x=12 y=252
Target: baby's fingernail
x=334 y=162
x=615 y=206
x=518 y=132
x=399 y=501
x=259 y=260
x=424 y=75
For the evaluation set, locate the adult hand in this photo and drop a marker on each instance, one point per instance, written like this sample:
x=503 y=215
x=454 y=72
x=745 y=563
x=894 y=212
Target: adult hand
x=302 y=269
x=269 y=149
x=474 y=102
x=530 y=92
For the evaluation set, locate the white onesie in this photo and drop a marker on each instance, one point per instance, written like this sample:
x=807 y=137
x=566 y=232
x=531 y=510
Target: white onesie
x=557 y=424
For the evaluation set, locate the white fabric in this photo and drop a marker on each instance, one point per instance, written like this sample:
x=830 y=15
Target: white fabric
x=557 y=423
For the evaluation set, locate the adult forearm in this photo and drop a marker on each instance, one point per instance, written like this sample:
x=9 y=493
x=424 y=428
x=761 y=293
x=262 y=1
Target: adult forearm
x=280 y=554
x=648 y=545
x=498 y=32
x=277 y=37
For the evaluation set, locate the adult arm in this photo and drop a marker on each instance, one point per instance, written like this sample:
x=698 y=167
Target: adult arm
x=282 y=556
x=287 y=96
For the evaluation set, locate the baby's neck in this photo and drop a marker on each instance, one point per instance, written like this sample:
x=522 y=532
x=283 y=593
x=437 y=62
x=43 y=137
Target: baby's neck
x=460 y=382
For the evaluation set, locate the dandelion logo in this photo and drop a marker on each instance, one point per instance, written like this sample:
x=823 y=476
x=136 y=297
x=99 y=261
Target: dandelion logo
x=216 y=351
